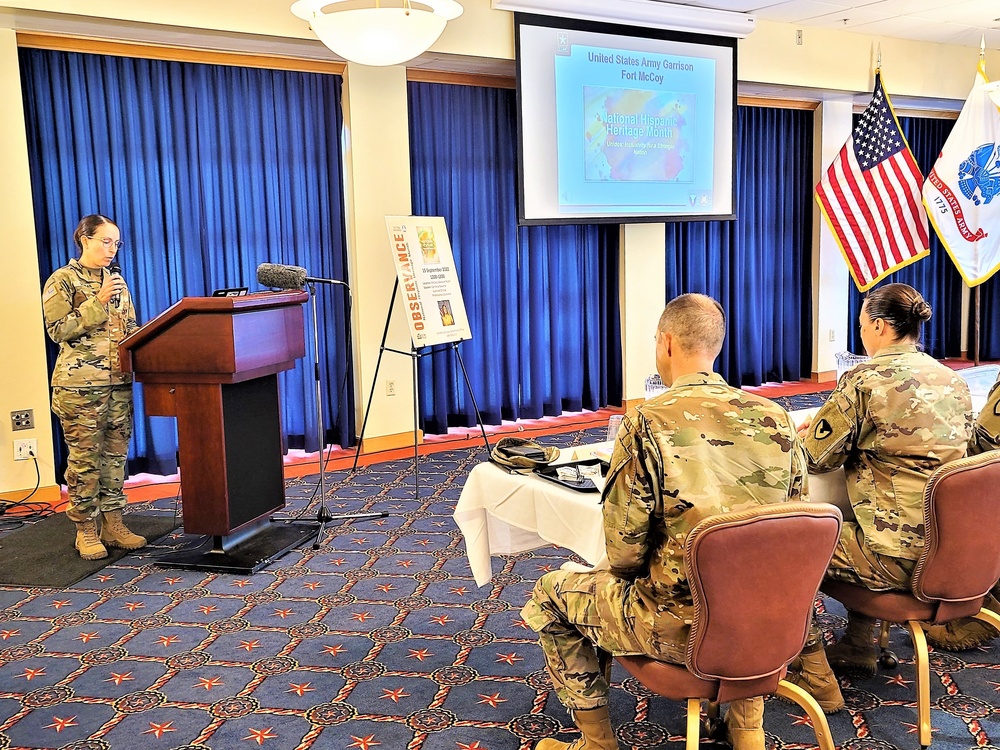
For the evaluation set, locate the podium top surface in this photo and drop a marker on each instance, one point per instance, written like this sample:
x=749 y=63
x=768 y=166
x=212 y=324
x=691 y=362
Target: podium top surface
x=216 y=338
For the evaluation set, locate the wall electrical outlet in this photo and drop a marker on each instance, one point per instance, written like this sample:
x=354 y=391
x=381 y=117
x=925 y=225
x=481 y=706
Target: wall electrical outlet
x=833 y=335
x=390 y=388
x=25 y=449
x=23 y=419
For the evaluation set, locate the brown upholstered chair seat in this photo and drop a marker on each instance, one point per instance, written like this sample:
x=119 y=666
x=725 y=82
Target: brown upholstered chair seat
x=958 y=566
x=754 y=575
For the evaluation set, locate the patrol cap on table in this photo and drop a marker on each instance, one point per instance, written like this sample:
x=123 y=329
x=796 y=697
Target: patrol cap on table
x=522 y=453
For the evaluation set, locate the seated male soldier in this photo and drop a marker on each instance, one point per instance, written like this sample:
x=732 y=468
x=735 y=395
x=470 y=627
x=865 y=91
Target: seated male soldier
x=697 y=450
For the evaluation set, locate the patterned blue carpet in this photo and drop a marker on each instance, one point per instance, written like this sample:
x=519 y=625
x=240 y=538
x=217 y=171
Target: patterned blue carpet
x=378 y=640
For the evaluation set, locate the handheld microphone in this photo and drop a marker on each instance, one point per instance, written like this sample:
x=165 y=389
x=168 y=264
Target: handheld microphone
x=115 y=270
x=278 y=276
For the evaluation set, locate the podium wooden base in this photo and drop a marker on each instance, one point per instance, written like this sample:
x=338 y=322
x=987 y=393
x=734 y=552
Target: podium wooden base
x=243 y=556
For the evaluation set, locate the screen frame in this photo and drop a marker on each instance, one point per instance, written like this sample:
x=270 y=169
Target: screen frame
x=622 y=30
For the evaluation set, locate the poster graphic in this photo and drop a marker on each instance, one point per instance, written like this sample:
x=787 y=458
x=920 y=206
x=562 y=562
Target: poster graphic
x=428 y=280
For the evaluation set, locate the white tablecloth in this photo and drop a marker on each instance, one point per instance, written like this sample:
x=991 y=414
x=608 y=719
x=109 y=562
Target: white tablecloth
x=502 y=513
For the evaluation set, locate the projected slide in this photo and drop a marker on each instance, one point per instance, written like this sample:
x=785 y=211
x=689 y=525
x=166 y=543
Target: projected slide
x=627 y=119
x=638 y=135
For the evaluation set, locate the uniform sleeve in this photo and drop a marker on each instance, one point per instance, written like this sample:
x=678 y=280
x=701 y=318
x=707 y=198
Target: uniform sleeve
x=130 y=323
x=834 y=429
x=630 y=499
x=63 y=322
x=798 y=471
x=986 y=435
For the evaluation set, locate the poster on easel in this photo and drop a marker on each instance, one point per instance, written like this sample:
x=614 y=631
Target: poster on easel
x=428 y=280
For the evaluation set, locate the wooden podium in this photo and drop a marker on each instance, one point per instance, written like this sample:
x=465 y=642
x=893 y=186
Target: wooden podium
x=212 y=362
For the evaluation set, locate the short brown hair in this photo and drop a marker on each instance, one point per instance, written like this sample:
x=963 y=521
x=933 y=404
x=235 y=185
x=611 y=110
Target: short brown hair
x=697 y=322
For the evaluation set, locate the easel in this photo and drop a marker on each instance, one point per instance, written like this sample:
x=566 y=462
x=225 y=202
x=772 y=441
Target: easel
x=414 y=354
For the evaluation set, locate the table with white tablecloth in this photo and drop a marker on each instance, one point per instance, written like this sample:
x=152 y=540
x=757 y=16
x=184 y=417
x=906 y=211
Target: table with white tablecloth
x=500 y=512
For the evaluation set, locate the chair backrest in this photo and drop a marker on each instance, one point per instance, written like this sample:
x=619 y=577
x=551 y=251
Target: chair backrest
x=754 y=575
x=960 y=561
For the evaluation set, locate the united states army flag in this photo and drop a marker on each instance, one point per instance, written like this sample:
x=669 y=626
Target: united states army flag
x=962 y=191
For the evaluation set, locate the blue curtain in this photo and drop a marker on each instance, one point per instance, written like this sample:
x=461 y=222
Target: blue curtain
x=542 y=301
x=989 y=317
x=208 y=171
x=759 y=266
x=935 y=276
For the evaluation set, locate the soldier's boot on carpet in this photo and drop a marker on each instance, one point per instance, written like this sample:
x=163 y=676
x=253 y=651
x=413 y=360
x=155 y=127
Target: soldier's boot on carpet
x=87 y=543
x=855 y=653
x=114 y=532
x=595 y=733
x=745 y=724
x=817 y=679
x=965 y=632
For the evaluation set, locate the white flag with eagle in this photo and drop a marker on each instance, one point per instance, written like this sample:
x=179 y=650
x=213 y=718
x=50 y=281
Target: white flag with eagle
x=962 y=192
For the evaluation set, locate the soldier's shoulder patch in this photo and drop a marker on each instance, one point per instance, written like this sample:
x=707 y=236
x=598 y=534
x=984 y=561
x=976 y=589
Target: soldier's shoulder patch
x=822 y=430
x=996 y=408
x=49 y=293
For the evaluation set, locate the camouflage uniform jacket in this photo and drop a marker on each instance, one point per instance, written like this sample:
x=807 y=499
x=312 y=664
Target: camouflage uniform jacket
x=890 y=423
x=87 y=332
x=986 y=436
x=699 y=449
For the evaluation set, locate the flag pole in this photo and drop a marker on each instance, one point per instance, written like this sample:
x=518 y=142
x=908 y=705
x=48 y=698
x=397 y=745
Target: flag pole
x=975 y=329
x=976 y=319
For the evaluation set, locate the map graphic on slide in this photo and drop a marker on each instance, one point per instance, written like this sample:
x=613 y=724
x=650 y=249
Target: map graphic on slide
x=635 y=135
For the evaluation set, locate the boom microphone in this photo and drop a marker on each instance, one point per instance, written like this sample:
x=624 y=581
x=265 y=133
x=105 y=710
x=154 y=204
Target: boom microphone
x=278 y=276
x=115 y=270
x=281 y=277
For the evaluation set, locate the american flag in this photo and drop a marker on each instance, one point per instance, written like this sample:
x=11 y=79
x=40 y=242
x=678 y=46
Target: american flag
x=870 y=196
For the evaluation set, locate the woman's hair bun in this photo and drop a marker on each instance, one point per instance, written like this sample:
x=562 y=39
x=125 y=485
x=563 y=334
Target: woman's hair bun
x=920 y=309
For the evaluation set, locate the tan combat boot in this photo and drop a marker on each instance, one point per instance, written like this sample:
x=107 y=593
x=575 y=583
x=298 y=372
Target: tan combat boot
x=87 y=543
x=114 y=533
x=595 y=733
x=965 y=632
x=745 y=724
x=855 y=652
x=817 y=679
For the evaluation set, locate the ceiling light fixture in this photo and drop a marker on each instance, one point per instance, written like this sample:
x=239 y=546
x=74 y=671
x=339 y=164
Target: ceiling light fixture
x=655 y=13
x=378 y=35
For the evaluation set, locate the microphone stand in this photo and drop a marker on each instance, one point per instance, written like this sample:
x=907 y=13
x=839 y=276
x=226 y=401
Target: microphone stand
x=323 y=516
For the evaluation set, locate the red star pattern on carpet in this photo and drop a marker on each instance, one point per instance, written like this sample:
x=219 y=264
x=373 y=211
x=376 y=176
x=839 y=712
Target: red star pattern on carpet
x=363 y=743
x=394 y=695
x=61 y=724
x=160 y=729
x=259 y=735
x=300 y=689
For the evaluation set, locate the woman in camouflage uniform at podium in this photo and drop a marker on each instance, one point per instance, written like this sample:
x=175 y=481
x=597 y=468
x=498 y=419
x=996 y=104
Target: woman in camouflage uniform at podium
x=88 y=310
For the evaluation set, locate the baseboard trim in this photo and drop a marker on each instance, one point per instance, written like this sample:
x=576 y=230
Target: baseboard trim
x=827 y=376
x=50 y=495
x=390 y=442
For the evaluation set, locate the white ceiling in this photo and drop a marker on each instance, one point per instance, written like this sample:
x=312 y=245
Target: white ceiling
x=961 y=22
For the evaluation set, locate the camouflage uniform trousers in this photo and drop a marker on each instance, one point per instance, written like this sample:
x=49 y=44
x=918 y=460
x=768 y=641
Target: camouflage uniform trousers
x=97 y=424
x=576 y=634
x=853 y=562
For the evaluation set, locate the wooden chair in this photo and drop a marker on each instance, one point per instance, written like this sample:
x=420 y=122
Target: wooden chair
x=754 y=575
x=959 y=565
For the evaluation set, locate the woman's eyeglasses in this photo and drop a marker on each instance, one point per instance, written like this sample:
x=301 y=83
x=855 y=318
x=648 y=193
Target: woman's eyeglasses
x=108 y=242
